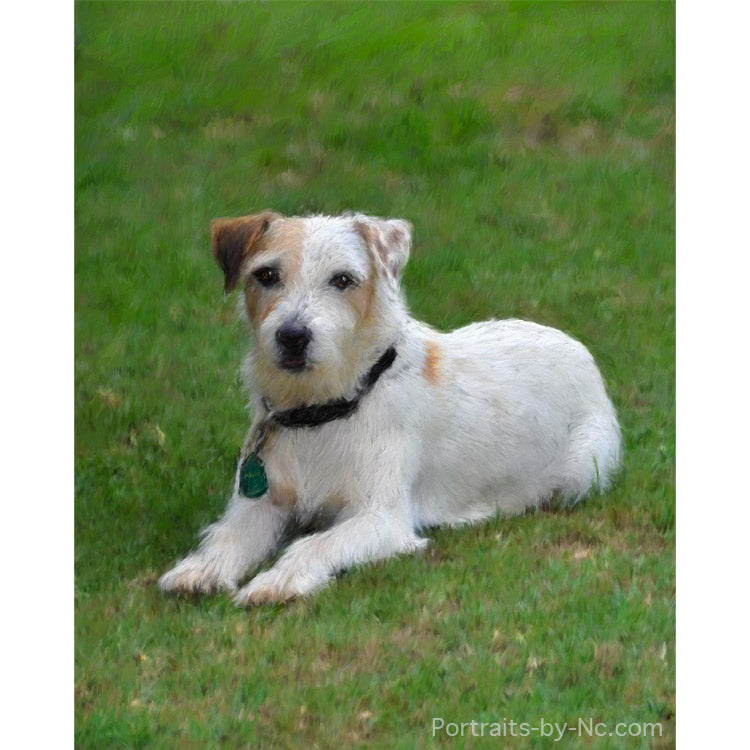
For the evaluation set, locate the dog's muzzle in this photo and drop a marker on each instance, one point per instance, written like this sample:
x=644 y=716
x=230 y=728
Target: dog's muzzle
x=292 y=341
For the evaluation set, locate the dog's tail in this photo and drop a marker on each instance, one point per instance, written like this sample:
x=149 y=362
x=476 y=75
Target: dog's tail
x=594 y=456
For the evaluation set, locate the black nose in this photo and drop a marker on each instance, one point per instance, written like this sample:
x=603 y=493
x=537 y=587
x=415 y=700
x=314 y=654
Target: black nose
x=293 y=339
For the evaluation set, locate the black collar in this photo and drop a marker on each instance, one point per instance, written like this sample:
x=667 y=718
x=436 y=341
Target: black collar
x=314 y=416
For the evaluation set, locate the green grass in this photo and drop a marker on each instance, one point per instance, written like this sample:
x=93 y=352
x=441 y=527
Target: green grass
x=532 y=147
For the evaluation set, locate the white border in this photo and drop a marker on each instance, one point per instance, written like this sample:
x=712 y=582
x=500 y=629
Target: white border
x=713 y=371
x=37 y=365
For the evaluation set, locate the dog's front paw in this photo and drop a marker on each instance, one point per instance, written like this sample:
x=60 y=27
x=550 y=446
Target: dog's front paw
x=195 y=575
x=274 y=586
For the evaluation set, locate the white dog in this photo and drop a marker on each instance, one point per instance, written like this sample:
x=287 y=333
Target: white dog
x=379 y=423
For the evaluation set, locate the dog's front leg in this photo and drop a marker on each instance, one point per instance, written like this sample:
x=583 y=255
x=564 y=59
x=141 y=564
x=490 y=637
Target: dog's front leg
x=245 y=536
x=311 y=562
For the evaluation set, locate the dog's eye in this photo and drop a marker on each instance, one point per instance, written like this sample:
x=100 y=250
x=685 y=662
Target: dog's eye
x=341 y=281
x=267 y=276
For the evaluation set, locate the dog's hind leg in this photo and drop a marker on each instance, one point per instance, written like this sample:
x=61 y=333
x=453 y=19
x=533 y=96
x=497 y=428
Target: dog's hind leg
x=311 y=562
x=245 y=536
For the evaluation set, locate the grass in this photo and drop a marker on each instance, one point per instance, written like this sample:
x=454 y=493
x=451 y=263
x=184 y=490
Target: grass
x=532 y=147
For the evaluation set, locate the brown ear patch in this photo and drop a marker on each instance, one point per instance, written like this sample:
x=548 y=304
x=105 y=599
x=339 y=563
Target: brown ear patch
x=232 y=241
x=388 y=240
x=373 y=239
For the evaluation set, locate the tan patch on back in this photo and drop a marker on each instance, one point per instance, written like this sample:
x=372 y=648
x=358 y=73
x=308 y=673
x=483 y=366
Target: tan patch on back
x=432 y=368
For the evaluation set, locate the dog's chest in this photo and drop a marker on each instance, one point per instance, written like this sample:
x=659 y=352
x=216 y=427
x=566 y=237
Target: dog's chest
x=311 y=471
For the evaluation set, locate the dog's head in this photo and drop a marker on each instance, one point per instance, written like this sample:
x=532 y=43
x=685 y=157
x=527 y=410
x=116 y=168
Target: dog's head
x=321 y=296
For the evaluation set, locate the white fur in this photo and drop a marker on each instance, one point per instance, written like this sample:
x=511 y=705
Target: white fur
x=496 y=417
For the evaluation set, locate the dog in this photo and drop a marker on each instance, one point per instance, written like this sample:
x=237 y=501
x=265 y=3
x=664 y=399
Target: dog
x=372 y=426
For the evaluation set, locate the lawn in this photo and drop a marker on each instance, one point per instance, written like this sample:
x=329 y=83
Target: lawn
x=532 y=147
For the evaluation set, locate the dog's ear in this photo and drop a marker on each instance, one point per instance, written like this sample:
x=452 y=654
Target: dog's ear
x=389 y=240
x=232 y=241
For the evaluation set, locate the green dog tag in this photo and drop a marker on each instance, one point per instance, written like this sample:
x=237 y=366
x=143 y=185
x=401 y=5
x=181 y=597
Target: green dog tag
x=253 y=479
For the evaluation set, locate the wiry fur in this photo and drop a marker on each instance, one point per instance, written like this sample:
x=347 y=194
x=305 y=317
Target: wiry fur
x=495 y=417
